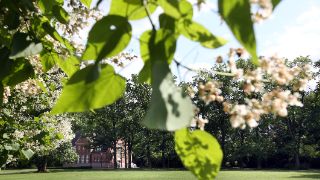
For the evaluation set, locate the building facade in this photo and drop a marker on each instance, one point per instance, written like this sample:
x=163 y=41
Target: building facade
x=98 y=157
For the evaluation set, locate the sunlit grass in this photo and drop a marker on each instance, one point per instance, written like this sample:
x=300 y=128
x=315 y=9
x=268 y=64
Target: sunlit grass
x=165 y=174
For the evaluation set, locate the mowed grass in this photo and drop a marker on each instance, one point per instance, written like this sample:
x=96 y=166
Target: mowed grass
x=59 y=174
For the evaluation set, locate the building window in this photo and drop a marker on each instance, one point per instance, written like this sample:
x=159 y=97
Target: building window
x=82 y=158
x=87 y=158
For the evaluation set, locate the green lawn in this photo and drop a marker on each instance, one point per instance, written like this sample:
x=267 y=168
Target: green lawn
x=57 y=174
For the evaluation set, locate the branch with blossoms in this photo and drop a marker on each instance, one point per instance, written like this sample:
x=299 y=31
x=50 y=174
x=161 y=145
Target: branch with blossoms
x=287 y=83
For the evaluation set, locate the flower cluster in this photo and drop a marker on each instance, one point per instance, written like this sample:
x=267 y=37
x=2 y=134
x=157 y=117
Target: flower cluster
x=232 y=63
x=276 y=101
x=6 y=94
x=29 y=87
x=210 y=92
x=264 y=11
x=199 y=122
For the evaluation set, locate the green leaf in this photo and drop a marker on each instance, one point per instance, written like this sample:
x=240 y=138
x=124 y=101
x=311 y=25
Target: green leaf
x=42 y=86
x=177 y=9
x=197 y=32
x=16 y=71
x=27 y=153
x=55 y=35
x=237 y=15
x=168 y=22
x=87 y=3
x=108 y=37
x=79 y=95
x=275 y=3
x=46 y=6
x=170 y=109
x=23 y=46
x=48 y=60
x=133 y=9
x=61 y=14
x=199 y=152
x=161 y=46
x=59 y=136
x=69 y=65
x=145 y=73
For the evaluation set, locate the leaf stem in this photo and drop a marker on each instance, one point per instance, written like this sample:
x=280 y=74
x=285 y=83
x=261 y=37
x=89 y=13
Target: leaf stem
x=195 y=70
x=148 y=14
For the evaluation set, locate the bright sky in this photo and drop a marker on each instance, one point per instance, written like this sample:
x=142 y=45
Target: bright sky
x=292 y=31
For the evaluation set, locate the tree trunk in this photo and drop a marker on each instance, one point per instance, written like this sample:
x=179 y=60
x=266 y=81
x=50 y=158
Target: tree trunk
x=115 y=165
x=148 y=152
x=297 y=160
x=120 y=157
x=130 y=153
x=42 y=164
x=223 y=142
x=259 y=165
x=125 y=155
x=242 y=165
x=163 y=150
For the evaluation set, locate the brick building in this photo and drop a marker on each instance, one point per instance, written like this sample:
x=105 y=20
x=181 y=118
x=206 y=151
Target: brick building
x=99 y=157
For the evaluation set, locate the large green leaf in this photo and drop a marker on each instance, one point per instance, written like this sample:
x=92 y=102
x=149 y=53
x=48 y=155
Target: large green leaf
x=81 y=93
x=168 y=22
x=177 y=9
x=69 y=65
x=46 y=6
x=197 y=32
x=133 y=9
x=18 y=70
x=48 y=60
x=236 y=14
x=161 y=46
x=199 y=152
x=170 y=109
x=145 y=73
x=55 y=35
x=14 y=71
x=27 y=153
x=61 y=14
x=108 y=37
x=23 y=46
x=87 y=3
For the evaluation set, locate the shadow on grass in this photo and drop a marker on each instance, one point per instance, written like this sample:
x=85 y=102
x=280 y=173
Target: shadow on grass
x=11 y=172
x=308 y=175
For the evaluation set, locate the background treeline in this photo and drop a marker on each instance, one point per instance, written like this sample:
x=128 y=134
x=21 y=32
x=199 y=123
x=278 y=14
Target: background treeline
x=290 y=142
